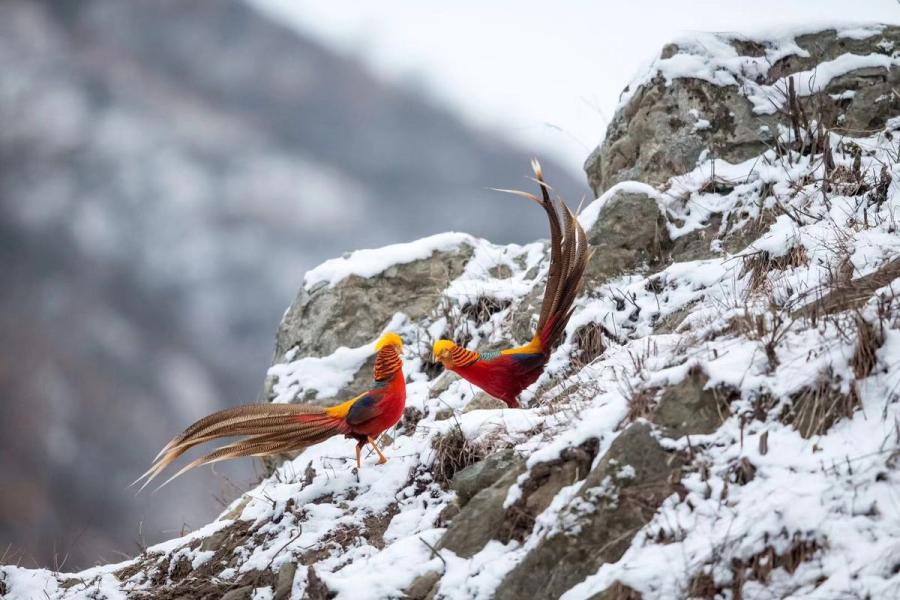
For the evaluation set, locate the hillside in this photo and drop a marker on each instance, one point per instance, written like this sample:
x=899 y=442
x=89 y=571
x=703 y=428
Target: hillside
x=168 y=171
x=722 y=421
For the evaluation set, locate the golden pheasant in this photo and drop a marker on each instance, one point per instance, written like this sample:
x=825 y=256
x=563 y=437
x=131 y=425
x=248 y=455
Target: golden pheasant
x=277 y=428
x=504 y=374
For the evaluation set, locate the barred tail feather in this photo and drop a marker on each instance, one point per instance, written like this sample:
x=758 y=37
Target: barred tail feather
x=269 y=429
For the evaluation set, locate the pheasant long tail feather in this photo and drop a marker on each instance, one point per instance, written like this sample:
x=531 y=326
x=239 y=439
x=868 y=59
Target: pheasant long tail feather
x=568 y=260
x=269 y=429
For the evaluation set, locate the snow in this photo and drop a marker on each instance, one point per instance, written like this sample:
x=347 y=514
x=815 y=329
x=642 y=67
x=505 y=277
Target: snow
x=371 y=262
x=713 y=58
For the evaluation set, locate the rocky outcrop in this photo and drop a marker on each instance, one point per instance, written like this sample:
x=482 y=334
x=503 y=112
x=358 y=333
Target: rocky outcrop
x=616 y=499
x=630 y=233
x=671 y=118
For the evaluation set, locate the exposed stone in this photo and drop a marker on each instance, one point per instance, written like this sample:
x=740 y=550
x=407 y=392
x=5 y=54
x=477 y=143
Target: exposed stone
x=543 y=483
x=356 y=309
x=617 y=591
x=616 y=499
x=655 y=135
x=241 y=593
x=630 y=231
x=692 y=408
x=285 y=582
x=474 y=478
x=483 y=401
x=423 y=587
x=481 y=519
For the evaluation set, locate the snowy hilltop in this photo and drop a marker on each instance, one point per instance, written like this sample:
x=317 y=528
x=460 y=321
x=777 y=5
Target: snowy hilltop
x=721 y=421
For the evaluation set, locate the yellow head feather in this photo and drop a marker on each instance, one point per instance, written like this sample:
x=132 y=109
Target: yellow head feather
x=389 y=339
x=442 y=346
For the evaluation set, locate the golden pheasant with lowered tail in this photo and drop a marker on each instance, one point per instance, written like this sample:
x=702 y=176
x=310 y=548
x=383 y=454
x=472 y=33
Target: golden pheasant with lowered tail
x=504 y=374
x=270 y=429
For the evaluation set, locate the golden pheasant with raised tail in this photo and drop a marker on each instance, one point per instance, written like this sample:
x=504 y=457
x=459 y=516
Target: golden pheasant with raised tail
x=270 y=429
x=505 y=373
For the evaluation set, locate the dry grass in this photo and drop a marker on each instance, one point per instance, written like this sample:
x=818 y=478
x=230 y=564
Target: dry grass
x=453 y=453
x=641 y=403
x=482 y=309
x=757 y=568
x=815 y=408
x=760 y=264
x=588 y=340
x=620 y=591
x=868 y=340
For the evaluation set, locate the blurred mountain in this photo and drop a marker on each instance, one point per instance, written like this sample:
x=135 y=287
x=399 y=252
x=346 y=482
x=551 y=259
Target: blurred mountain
x=168 y=171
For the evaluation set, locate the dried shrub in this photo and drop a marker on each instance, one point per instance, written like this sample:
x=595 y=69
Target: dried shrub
x=588 y=340
x=757 y=568
x=760 y=264
x=620 y=591
x=482 y=309
x=641 y=404
x=868 y=341
x=453 y=452
x=815 y=408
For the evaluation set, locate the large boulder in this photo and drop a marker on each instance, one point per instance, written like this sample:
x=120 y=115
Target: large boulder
x=629 y=232
x=355 y=309
x=616 y=499
x=726 y=103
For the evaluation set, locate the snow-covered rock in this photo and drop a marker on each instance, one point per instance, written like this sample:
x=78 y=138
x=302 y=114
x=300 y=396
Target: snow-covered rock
x=721 y=420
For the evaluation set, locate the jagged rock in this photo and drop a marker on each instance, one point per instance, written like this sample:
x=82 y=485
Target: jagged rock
x=474 y=478
x=481 y=519
x=285 y=582
x=543 y=483
x=440 y=384
x=617 y=591
x=356 y=309
x=630 y=231
x=616 y=499
x=663 y=129
x=691 y=408
x=483 y=401
x=423 y=586
x=241 y=593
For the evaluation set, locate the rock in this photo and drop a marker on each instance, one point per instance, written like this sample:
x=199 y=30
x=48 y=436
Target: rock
x=616 y=499
x=543 y=483
x=630 y=231
x=483 y=401
x=441 y=383
x=241 y=593
x=690 y=408
x=474 y=478
x=285 y=582
x=663 y=129
x=481 y=519
x=423 y=586
x=443 y=413
x=617 y=591
x=356 y=309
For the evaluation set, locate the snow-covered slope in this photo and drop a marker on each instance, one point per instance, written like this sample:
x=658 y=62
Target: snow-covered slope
x=722 y=421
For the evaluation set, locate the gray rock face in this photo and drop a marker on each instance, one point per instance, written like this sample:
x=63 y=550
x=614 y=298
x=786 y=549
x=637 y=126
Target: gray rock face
x=664 y=128
x=689 y=408
x=356 y=309
x=481 y=519
x=623 y=492
x=474 y=478
x=630 y=231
